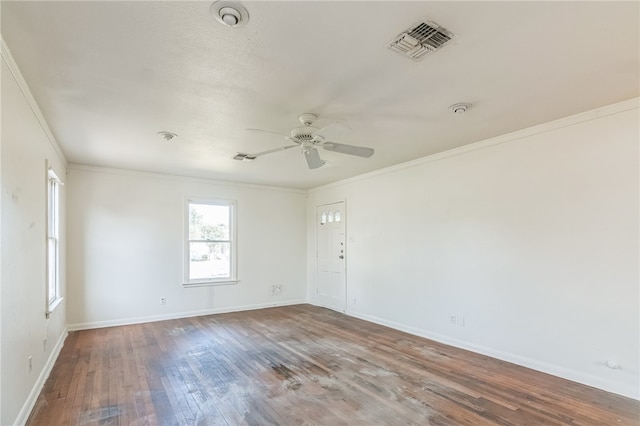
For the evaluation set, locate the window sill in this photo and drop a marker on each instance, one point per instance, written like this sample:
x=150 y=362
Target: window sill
x=53 y=305
x=210 y=283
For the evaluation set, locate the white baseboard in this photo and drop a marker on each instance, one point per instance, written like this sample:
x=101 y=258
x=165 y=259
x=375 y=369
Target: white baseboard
x=576 y=376
x=177 y=315
x=24 y=413
x=628 y=391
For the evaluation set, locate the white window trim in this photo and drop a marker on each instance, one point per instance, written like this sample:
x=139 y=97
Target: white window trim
x=233 y=279
x=53 y=303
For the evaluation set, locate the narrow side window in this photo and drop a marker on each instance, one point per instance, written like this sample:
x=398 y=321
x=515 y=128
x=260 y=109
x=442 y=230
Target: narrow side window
x=53 y=240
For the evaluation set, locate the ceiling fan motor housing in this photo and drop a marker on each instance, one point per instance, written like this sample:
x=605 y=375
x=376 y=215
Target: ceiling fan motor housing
x=307 y=118
x=310 y=138
x=304 y=134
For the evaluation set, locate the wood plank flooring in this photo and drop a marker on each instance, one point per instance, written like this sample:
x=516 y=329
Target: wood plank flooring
x=301 y=365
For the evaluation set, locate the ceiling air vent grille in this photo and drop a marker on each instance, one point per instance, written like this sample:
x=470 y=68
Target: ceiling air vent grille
x=420 y=39
x=241 y=156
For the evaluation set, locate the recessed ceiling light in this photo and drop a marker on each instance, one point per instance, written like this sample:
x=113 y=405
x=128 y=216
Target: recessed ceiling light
x=167 y=136
x=459 y=108
x=230 y=13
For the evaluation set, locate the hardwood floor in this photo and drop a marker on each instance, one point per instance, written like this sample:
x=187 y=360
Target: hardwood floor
x=301 y=365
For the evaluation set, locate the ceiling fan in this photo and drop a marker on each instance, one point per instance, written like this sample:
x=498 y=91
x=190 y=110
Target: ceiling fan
x=309 y=138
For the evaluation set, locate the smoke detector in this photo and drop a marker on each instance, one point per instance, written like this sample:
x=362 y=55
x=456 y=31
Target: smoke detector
x=420 y=39
x=459 y=108
x=230 y=13
x=167 y=136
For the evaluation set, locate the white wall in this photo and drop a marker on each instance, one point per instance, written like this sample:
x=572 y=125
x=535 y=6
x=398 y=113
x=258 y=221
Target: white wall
x=26 y=146
x=126 y=244
x=532 y=238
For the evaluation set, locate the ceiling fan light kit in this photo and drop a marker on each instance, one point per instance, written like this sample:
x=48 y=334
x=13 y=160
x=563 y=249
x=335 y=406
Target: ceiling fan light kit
x=309 y=138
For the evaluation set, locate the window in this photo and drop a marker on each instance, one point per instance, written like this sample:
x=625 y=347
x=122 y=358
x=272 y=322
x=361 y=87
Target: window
x=210 y=247
x=329 y=216
x=53 y=240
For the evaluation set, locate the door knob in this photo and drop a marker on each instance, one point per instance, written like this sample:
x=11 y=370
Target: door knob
x=341 y=257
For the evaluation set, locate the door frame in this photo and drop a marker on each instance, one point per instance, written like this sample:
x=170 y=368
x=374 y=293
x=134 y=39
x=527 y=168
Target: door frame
x=316 y=226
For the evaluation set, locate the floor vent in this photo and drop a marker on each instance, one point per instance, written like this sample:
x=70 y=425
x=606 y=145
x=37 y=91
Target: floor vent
x=420 y=39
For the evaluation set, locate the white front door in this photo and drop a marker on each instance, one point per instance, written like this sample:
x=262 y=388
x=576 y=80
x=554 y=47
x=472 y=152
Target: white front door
x=331 y=285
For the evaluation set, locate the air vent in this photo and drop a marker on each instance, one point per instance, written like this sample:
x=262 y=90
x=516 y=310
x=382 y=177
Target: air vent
x=420 y=39
x=244 y=157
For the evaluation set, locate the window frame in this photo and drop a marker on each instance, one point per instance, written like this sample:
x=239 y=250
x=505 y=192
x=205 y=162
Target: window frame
x=200 y=282
x=53 y=289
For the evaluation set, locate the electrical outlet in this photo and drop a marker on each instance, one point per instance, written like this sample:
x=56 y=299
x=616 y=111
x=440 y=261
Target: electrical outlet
x=30 y=359
x=355 y=301
x=163 y=300
x=457 y=320
x=276 y=290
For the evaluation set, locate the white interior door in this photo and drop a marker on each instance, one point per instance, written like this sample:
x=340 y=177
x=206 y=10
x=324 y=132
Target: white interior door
x=331 y=285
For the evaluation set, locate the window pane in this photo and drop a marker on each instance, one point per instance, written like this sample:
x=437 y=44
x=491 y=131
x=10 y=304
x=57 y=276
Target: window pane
x=209 y=260
x=208 y=222
x=51 y=214
x=53 y=269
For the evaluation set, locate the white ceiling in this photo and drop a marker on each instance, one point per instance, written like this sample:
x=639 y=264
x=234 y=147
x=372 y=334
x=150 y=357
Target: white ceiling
x=109 y=75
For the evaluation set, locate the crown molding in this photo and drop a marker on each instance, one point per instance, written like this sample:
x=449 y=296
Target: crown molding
x=180 y=178
x=619 y=107
x=7 y=58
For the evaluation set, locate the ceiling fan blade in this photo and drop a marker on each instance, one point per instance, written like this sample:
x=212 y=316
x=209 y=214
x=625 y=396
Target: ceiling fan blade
x=334 y=130
x=282 y=148
x=359 y=151
x=268 y=132
x=313 y=158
